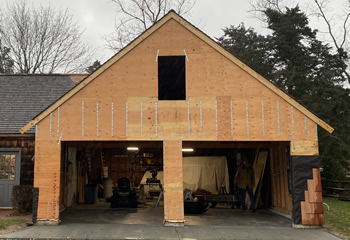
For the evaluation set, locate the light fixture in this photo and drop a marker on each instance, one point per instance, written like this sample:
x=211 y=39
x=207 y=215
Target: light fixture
x=187 y=150
x=132 y=148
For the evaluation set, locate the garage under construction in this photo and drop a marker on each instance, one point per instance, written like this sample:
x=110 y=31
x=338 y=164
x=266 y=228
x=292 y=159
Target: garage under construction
x=174 y=110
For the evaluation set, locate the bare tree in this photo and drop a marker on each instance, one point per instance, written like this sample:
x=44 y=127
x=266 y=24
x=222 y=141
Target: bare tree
x=336 y=24
x=138 y=15
x=339 y=36
x=43 y=40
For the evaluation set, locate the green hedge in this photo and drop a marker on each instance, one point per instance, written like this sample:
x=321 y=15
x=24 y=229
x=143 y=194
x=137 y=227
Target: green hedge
x=22 y=198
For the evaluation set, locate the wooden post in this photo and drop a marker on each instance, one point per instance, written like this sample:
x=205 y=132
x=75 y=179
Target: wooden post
x=173 y=183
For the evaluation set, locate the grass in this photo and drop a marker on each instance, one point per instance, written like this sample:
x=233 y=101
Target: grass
x=5 y=223
x=338 y=217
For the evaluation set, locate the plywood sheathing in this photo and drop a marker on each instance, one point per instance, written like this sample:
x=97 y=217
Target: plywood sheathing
x=170 y=36
x=173 y=181
x=81 y=119
x=312 y=208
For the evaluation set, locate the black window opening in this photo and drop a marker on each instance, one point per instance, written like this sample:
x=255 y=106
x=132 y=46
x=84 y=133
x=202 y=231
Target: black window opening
x=171 y=78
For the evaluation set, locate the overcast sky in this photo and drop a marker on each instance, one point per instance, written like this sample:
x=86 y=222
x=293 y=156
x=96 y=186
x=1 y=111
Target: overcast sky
x=97 y=17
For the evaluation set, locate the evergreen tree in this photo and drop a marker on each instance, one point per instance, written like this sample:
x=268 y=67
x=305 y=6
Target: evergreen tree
x=93 y=67
x=6 y=63
x=304 y=67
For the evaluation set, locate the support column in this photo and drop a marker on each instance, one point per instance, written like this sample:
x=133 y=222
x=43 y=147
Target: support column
x=173 y=183
x=47 y=180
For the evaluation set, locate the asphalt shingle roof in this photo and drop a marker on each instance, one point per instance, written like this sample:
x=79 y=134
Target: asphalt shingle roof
x=22 y=97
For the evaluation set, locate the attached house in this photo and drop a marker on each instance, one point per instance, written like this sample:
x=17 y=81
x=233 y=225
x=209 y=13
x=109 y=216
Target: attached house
x=173 y=87
x=22 y=98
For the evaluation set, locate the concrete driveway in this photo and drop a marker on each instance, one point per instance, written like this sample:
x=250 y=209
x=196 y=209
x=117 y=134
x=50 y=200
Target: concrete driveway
x=146 y=223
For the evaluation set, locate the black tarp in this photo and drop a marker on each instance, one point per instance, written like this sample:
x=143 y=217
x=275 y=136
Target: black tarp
x=301 y=167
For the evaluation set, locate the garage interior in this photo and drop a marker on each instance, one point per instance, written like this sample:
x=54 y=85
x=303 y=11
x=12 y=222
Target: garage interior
x=91 y=171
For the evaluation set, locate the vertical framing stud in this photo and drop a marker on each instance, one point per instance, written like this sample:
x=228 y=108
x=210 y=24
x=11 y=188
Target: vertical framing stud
x=247 y=116
x=36 y=130
x=316 y=131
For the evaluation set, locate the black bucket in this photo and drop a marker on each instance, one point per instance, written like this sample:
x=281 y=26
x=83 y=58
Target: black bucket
x=90 y=191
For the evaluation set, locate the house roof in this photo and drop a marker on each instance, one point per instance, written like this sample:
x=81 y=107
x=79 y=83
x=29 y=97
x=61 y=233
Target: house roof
x=22 y=97
x=203 y=37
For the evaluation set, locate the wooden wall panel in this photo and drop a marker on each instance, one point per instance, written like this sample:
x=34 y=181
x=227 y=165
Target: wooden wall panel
x=209 y=118
x=210 y=77
x=224 y=118
x=281 y=199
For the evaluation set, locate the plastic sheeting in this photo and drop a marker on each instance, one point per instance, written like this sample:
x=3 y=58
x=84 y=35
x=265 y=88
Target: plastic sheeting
x=208 y=173
x=301 y=171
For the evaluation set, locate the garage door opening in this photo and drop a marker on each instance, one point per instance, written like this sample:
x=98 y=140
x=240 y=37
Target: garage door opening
x=111 y=175
x=91 y=172
x=211 y=194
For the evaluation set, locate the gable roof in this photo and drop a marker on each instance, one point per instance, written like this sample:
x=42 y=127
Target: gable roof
x=22 y=97
x=203 y=37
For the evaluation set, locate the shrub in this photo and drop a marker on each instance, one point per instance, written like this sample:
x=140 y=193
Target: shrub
x=22 y=198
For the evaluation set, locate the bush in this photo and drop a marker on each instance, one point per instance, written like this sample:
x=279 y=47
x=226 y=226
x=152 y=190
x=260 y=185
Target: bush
x=22 y=198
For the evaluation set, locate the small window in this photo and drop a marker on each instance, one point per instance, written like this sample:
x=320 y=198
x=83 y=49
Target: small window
x=171 y=78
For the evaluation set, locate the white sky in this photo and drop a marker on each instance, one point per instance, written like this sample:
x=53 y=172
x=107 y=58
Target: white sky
x=97 y=17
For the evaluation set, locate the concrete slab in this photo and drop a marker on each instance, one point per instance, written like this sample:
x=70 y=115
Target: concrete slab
x=146 y=223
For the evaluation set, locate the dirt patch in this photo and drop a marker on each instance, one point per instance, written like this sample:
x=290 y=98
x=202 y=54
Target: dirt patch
x=6 y=212
x=9 y=214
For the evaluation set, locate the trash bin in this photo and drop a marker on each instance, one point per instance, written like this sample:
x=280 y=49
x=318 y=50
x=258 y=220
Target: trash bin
x=90 y=191
x=108 y=187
